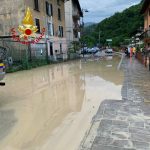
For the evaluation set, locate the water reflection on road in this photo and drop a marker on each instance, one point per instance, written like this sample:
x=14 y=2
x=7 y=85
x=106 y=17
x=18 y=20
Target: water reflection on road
x=53 y=105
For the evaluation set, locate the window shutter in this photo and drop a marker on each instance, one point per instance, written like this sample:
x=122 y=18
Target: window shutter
x=51 y=9
x=59 y=33
x=37 y=21
x=49 y=29
x=59 y=14
x=62 y=32
x=47 y=8
x=53 y=29
x=36 y=4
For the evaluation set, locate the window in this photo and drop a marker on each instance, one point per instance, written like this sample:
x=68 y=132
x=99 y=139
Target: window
x=49 y=9
x=36 y=5
x=61 y=49
x=58 y=2
x=61 y=32
x=59 y=14
x=50 y=29
x=53 y=29
x=37 y=22
x=51 y=48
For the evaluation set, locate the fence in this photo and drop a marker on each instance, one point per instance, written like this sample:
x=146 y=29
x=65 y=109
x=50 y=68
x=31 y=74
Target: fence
x=19 y=52
x=23 y=56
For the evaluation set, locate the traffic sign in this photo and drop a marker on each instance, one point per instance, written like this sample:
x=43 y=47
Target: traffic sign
x=109 y=40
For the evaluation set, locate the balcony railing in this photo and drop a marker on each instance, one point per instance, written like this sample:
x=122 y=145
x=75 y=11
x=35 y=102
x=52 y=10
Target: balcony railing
x=146 y=35
x=76 y=14
x=76 y=27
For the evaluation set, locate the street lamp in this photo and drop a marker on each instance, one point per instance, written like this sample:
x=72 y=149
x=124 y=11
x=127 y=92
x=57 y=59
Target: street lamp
x=99 y=37
x=83 y=11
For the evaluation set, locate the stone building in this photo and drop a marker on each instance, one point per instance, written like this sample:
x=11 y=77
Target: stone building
x=47 y=14
x=73 y=12
x=146 y=11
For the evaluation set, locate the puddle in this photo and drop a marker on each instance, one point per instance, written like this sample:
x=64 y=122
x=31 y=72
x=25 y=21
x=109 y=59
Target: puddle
x=54 y=105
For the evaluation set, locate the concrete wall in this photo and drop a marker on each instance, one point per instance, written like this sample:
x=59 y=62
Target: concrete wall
x=11 y=12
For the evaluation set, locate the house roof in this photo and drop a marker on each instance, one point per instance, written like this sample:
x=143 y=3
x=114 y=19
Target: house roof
x=79 y=7
x=145 y=5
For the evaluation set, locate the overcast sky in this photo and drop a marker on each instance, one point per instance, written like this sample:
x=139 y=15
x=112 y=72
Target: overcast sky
x=101 y=9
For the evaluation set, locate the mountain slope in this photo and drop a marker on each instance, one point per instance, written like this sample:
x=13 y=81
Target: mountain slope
x=118 y=27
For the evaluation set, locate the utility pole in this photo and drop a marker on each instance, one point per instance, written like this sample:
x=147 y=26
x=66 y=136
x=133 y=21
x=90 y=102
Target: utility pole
x=99 y=36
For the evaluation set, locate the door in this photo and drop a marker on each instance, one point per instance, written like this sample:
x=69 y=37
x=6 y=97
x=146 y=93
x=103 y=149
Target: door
x=51 y=49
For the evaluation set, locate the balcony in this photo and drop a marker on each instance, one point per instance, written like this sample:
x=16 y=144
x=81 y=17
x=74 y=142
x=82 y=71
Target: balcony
x=76 y=36
x=76 y=14
x=146 y=35
x=76 y=27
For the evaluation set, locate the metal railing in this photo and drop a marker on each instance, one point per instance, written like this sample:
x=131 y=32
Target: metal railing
x=146 y=34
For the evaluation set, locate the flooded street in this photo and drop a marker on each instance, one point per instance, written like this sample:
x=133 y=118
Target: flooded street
x=50 y=108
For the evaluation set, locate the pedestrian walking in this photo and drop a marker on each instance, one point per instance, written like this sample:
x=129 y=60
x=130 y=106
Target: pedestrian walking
x=128 y=51
x=134 y=50
x=131 y=51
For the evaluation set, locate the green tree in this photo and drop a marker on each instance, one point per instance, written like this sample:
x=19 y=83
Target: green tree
x=118 y=27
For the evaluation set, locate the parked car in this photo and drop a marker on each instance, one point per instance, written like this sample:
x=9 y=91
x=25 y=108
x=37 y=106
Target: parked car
x=109 y=51
x=2 y=73
x=84 y=51
x=98 y=49
x=92 y=50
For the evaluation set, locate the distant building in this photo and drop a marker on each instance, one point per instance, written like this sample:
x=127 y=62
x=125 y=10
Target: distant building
x=46 y=13
x=146 y=11
x=73 y=12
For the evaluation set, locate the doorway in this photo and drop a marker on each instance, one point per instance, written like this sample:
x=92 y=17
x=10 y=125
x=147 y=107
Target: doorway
x=51 y=49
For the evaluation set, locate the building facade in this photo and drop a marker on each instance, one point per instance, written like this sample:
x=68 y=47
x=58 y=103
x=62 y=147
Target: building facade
x=47 y=14
x=73 y=12
x=146 y=11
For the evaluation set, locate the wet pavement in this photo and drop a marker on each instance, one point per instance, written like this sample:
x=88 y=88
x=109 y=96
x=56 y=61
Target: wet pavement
x=123 y=125
x=51 y=108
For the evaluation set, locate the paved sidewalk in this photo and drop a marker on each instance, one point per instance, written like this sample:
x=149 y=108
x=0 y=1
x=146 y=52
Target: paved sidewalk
x=124 y=124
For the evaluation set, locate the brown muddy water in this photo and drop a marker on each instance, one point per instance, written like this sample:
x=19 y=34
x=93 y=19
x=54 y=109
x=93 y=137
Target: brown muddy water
x=51 y=108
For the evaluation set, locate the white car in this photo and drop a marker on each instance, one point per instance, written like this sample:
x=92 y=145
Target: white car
x=109 y=51
x=97 y=48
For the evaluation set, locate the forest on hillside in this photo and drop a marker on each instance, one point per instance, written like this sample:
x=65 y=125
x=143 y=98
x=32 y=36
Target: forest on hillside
x=120 y=26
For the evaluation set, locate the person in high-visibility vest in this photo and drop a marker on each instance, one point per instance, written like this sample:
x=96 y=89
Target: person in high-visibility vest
x=134 y=50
